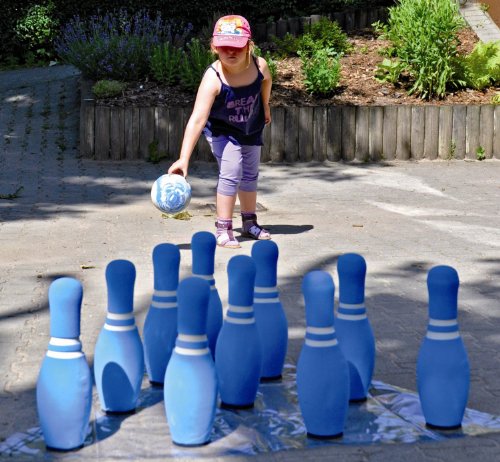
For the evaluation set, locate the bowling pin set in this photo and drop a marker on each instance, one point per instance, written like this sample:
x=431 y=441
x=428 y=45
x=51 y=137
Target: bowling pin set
x=199 y=358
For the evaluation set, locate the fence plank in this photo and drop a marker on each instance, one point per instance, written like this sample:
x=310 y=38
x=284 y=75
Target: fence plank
x=472 y=132
x=403 y=136
x=281 y=28
x=431 y=138
x=319 y=133
x=458 y=133
x=340 y=19
x=277 y=149
x=445 y=147
x=117 y=133
x=161 y=123
x=496 y=133
x=87 y=128
x=362 y=151
x=486 y=127
x=375 y=133
x=131 y=115
x=294 y=26
x=265 y=154
x=349 y=22
x=175 y=131
x=390 y=132
x=102 y=124
x=348 y=146
x=417 y=132
x=334 y=133
x=292 y=134
x=306 y=133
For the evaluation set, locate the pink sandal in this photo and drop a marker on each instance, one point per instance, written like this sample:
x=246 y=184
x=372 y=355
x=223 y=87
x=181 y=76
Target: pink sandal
x=224 y=235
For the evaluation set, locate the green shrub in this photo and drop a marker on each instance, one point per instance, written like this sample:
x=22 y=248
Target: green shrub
x=108 y=88
x=481 y=68
x=424 y=37
x=495 y=99
x=195 y=60
x=389 y=70
x=165 y=63
x=271 y=62
x=324 y=34
x=321 y=72
x=37 y=29
x=286 y=46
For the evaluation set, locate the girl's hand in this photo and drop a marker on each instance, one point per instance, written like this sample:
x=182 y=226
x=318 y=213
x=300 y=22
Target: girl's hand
x=179 y=167
x=267 y=114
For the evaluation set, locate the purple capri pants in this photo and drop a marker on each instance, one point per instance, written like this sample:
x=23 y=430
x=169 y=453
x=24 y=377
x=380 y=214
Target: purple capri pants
x=238 y=165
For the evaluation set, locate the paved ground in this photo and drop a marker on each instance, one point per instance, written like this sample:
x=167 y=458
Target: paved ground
x=73 y=215
x=480 y=21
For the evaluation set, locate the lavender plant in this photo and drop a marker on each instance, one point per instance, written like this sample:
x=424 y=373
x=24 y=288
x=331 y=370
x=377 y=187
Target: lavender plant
x=117 y=45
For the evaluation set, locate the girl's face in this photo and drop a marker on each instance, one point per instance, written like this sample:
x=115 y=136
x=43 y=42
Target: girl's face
x=232 y=56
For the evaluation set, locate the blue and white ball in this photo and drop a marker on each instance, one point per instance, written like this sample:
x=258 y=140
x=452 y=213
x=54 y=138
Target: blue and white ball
x=171 y=193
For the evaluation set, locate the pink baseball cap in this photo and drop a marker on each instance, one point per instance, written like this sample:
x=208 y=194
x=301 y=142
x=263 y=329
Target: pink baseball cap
x=231 y=31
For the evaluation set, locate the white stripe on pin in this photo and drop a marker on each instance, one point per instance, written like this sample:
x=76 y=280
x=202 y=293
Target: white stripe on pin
x=119 y=328
x=442 y=335
x=266 y=300
x=165 y=293
x=56 y=341
x=351 y=317
x=320 y=330
x=240 y=309
x=192 y=338
x=163 y=305
x=240 y=320
x=64 y=354
x=265 y=290
x=191 y=351
x=207 y=277
x=351 y=306
x=442 y=322
x=120 y=317
x=321 y=343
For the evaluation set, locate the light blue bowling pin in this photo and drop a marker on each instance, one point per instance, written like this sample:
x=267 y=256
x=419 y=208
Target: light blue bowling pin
x=353 y=327
x=118 y=356
x=64 y=386
x=190 y=389
x=269 y=314
x=203 y=246
x=238 y=356
x=442 y=366
x=322 y=371
x=160 y=326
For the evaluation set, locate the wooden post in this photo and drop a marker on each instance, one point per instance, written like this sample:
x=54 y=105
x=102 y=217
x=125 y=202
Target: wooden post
x=417 y=132
x=431 y=138
x=265 y=155
x=102 y=129
x=319 y=133
x=306 y=133
x=117 y=133
x=87 y=128
x=389 y=132
x=403 y=136
x=362 y=152
x=445 y=146
x=486 y=129
x=291 y=120
x=348 y=148
x=277 y=150
x=472 y=132
x=334 y=133
x=375 y=133
x=161 y=122
x=146 y=130
x=459 y=131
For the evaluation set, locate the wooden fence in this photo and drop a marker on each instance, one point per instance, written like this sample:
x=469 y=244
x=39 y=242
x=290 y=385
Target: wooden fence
x=302 y=134
x=348 y=20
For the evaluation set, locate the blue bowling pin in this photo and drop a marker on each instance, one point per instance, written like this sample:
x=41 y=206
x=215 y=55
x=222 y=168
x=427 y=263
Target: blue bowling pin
x=203 y=246
x=119 y=356
x=442 y=366
x=270 y=317
x=160 y=326
x=238 y=356
x=190 y=389
x=322 y=371
x=64 y=386
x=353 y=327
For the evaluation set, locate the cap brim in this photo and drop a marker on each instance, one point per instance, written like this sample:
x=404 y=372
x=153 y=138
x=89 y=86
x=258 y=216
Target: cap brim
x=229 y=41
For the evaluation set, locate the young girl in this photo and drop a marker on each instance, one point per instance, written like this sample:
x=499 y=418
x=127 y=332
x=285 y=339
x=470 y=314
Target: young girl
x=231 y=109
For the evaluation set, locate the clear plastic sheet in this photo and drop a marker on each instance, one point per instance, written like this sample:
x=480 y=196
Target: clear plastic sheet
x=390 y=415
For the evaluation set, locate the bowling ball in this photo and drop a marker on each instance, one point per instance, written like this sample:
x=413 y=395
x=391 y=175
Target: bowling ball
x=171 y=193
